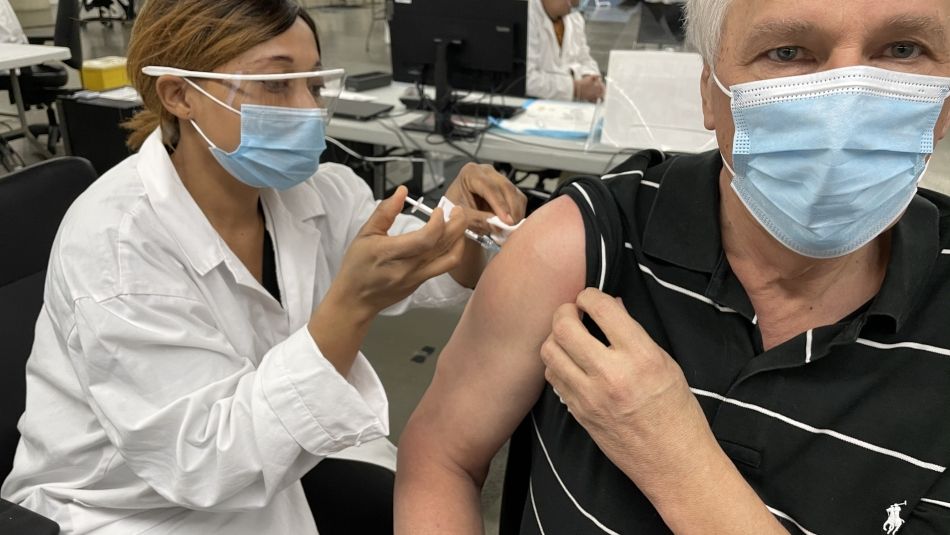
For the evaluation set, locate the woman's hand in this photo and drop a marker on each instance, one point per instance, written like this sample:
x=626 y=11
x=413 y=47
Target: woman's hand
x=379 y=270
x=485 y=193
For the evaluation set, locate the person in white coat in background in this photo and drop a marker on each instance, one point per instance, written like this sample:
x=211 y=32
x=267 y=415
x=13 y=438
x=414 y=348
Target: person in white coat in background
x=198 y=348
x=559 y=64
x=10 y=29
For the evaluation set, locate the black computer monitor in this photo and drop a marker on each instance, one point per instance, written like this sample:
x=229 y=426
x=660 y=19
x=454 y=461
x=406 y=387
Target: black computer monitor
x=470 y=45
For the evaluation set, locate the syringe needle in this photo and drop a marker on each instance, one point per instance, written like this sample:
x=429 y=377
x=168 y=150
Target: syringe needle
x=485 y=241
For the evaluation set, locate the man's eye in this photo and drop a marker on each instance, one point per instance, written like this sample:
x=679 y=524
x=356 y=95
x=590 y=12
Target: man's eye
x=785 y=53
x=904 y=50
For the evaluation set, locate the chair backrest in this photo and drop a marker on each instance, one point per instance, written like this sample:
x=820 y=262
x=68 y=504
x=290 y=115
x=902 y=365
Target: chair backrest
x=67 y=31
x=32 y=204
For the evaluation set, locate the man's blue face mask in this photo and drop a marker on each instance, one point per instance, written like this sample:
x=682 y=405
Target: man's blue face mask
x=825 y=162
x=280 y=145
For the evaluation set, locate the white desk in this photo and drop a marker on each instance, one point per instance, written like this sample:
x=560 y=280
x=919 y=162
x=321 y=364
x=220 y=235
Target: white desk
x=499 y=146
x=15 y=56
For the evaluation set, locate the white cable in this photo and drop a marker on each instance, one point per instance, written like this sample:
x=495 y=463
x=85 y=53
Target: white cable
x=371 y=159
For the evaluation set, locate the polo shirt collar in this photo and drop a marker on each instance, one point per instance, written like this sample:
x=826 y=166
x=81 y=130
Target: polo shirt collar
x=683 y=226
x=915 y=248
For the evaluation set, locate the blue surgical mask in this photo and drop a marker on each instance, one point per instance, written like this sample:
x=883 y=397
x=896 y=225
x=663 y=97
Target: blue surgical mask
x=825 y=162
x=280 y=147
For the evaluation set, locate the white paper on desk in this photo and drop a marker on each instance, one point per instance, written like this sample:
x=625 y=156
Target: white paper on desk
x=127 y=94
x=653 y=102
x=552 y=118
x=358 y=97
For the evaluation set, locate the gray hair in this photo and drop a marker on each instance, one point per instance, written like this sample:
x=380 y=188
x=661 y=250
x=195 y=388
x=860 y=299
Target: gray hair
x=704 y=22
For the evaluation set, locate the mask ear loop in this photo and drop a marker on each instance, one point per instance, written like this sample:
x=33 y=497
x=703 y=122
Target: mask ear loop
x=728 y=93
x=216 y=100
x=722 y=88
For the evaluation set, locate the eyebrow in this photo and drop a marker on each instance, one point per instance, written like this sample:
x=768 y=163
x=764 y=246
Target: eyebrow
x=921 y=25
x=283 y=59
x=780 y=29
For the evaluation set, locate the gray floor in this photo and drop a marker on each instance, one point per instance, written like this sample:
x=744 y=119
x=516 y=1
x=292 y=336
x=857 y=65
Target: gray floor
x=404 y=349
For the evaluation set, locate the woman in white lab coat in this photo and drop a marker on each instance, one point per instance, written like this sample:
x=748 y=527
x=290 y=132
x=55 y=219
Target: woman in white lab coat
x=198 y=348
x=559 y=64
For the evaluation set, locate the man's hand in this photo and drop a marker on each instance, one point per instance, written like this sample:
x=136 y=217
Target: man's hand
x=634 y=401
x=631 y=396
x=589 y=88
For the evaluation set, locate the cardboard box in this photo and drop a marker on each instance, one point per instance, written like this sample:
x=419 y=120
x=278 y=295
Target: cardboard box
x=101 y=74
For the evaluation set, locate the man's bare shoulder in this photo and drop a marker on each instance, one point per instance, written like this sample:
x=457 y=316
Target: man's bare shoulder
x=546 y=254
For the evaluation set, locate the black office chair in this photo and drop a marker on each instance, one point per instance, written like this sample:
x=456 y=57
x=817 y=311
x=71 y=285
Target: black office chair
x=32 y=204
x=106 y=15
x=41 y=85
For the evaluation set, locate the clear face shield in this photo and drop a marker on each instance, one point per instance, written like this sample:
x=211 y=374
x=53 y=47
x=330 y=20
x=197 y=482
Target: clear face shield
x=298 y=90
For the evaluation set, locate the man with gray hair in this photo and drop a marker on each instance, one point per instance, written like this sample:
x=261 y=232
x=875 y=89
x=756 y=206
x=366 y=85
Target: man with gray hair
x=748 y=341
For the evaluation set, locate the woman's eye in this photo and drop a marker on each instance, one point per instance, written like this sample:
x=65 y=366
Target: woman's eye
x=903 y=50
x=785 y=53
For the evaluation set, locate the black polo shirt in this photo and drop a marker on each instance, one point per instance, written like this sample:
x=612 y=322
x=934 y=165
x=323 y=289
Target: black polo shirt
x=844 y=429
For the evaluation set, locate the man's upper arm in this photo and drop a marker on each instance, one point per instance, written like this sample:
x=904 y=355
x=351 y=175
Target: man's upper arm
x=489 y=374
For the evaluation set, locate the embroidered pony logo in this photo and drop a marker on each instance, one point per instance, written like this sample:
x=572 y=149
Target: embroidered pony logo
x=894 y=520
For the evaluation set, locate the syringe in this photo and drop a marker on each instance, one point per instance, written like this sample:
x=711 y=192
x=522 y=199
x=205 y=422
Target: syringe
x=481 y=239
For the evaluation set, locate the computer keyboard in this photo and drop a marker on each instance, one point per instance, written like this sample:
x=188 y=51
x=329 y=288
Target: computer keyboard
x=482 y=108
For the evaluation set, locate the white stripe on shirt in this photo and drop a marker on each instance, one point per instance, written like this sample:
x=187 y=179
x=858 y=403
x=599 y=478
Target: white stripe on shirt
x=586 y=197
x=908 y=345
x=778 y=513
x=603 y=263
x=625 y=173
x=684 y=291
x=818 y=431
x=557 y=476
x=945 y=251
x=534 y=506
x=808 y=338
x=936 y=502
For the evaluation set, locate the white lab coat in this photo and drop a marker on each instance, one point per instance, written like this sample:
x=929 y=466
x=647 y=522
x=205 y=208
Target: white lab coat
x=10 y=29
x=552 y=68
x=167 y=391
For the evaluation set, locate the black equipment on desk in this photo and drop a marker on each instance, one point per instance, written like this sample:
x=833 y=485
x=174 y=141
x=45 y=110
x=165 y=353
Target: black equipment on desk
x=368 y=80
x=359 y=110
x=92 y=129
x=460 y=44
x=480 y=108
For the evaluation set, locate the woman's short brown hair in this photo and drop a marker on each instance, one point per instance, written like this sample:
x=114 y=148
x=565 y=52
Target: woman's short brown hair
x=197 y=35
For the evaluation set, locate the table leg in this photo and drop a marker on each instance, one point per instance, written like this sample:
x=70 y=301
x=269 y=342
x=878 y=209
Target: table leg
x=21 y=113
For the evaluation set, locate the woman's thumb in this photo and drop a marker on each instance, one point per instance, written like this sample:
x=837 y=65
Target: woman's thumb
x=385 y=214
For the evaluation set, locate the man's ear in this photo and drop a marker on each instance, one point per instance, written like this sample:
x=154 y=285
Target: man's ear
x=706 y=86
x=172 y=91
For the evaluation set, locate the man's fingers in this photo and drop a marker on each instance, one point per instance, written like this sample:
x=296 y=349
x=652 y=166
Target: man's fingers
x=572 y=336
x=612 y=318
